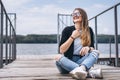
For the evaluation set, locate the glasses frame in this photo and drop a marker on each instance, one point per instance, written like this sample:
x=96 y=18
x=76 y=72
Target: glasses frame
x=77 y=14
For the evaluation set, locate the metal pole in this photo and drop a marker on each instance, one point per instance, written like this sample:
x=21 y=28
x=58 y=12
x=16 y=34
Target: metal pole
x=15 y=36
x=58 y=35
x=62 y=21
x=6 y=42
x=96 y=33
x=67 y=20
x=110 y=50
x=15 y=45
x=13 y=14
x=9 y=43
x=1 y=35
x=116 y=36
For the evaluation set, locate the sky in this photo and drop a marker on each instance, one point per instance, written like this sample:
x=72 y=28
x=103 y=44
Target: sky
x=40 y=16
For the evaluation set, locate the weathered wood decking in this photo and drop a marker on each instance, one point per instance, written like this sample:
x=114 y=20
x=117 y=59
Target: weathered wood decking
x=42 y=67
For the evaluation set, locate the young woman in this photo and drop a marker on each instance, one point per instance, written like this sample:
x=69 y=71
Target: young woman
x=77 y=47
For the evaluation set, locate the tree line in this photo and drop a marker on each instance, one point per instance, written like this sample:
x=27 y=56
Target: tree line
x=107 y=38
x=34 y=38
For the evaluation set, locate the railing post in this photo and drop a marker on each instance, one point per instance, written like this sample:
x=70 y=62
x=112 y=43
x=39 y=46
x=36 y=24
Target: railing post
x=14 y=46
x=13 y=35
x=1 y=35
x=6 y=42
x=10 y=43
x=8 y=32
x=58 y=35
x=96 y=46
x=15 y=38
x=116 y=36
x=110 y=50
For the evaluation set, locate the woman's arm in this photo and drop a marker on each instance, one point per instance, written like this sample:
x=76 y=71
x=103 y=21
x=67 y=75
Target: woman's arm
x=65 y=46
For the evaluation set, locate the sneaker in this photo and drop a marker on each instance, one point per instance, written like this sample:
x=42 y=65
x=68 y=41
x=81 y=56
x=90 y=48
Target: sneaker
x=95 y=73
x=78 y=73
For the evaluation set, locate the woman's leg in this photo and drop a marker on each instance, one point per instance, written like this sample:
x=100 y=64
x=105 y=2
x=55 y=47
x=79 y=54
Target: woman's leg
x=89 y=59
x=61 y=69
x=65 y=65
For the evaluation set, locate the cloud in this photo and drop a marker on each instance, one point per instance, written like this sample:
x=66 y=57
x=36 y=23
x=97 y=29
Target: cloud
x=62 y=1
x=15 y=3
x=35 y=19
x=100 y=6
x=39 y=19
x=49 y=9
x=42 y=18
x=95 y=9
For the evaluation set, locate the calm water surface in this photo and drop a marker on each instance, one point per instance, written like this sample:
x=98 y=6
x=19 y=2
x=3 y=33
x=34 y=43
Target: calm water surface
x=38 y=49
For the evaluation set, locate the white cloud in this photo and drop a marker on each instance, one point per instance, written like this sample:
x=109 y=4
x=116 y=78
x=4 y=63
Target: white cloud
x=95 y=9
x=15 y=3
x=99 y=6
x=42 y=19
x=39 y=20
x=62 y=1
x=50 y=9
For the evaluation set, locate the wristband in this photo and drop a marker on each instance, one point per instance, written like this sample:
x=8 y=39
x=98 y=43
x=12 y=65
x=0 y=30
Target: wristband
x=72 y=37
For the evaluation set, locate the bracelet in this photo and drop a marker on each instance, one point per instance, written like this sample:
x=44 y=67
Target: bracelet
x=72 y=37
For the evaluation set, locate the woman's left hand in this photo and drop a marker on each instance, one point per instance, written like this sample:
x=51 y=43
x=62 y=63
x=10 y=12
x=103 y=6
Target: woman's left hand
x=84 y=50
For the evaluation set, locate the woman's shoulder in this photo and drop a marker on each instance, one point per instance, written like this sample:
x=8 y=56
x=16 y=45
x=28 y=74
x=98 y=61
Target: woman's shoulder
x=69 y=28
x=91 y=30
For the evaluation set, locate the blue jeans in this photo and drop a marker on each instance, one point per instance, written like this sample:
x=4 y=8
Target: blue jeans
x=66 y=65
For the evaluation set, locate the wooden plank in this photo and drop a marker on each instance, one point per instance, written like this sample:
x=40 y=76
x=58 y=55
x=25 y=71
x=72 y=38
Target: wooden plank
x=42 y=67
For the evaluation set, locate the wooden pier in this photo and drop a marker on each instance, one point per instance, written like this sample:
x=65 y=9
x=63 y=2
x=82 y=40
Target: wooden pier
x=42 y=67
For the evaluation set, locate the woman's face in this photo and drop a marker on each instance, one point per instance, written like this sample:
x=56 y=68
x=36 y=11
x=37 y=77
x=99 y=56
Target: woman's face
x=77 y=16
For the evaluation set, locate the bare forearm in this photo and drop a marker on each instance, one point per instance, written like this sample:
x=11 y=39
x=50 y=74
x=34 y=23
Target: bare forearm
x=65 y=46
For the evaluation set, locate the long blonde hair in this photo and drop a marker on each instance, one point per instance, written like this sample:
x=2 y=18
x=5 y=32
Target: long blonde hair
x=85 y=36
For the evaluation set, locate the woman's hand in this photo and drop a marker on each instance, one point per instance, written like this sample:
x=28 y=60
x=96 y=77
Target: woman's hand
x=84 y=50
x=57 y=57
x=75 y=34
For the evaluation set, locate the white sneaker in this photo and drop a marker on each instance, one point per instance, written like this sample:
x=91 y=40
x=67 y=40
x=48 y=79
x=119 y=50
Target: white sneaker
x=95 y=73
x=78 y=73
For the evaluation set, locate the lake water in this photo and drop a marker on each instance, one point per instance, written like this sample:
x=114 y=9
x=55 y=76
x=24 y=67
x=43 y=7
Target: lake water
x=38 y=49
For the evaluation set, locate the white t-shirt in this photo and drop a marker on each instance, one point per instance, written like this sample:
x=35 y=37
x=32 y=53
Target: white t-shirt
x=77 y=46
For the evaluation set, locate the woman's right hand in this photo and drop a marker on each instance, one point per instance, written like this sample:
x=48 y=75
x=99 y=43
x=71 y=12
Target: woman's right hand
x=75 y=33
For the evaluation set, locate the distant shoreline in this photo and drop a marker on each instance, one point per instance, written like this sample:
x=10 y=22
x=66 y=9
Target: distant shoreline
x=34 y=38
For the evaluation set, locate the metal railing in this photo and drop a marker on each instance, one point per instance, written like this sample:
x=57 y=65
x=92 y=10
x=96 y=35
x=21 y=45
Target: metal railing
x=116 y=30
x=7 y=38
x=62 y=23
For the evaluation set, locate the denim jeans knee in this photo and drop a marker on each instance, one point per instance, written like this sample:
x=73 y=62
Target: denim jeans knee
x=61 y=69
x=95 y=53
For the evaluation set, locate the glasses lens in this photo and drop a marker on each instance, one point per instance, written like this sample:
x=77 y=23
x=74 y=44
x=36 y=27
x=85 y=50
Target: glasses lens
x=76 y=14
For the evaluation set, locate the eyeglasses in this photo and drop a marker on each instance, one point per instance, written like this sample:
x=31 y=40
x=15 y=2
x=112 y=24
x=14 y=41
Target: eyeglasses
x=76 y=14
